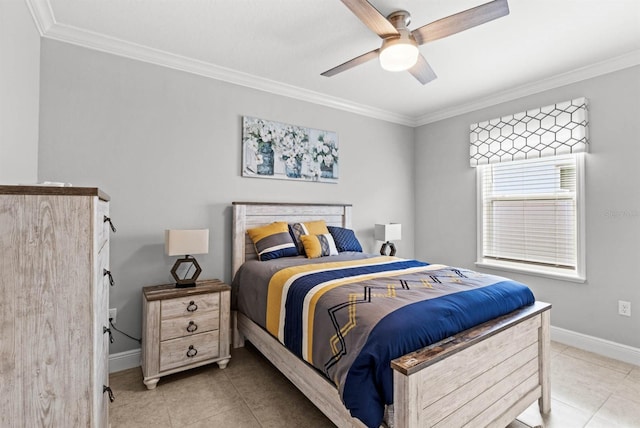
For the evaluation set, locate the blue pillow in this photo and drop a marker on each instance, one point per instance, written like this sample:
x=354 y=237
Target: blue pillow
x=345 y=239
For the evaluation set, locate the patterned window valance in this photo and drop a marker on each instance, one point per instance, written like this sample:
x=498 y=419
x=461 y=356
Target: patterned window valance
x=547 y=131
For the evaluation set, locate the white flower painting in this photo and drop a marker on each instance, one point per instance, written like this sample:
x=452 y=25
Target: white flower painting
x=281 y=151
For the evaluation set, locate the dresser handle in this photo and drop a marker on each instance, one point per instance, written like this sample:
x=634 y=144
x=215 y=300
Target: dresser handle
x=105 y=388
x=106 y=272
x=192 y=306
x=108 y=219
x=192 y=352
x=107 y=330
x=192 y=327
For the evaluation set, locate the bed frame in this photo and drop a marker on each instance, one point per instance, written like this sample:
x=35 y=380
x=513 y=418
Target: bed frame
x=484 y=376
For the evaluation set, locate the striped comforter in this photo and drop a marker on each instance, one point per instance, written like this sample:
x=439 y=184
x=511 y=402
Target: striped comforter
x=350 y=318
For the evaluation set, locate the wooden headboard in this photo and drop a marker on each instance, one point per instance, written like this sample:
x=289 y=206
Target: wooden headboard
x=252 y=214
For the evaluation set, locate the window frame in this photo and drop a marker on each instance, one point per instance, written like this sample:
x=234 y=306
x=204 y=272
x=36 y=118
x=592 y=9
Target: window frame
x=574 y=275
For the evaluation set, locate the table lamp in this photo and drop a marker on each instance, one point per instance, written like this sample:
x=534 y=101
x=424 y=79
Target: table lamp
x=187 y=243
x=387 y=233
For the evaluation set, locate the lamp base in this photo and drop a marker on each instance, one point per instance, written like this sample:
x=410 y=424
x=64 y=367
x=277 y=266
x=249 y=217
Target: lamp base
x=392 y=247
x=186 y=282
x=185 y=285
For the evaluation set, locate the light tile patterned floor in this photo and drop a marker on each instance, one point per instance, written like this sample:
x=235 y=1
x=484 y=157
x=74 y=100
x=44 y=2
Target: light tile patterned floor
x=587 y=390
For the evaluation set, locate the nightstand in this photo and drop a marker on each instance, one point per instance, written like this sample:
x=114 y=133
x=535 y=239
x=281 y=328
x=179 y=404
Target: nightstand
x=183 y=328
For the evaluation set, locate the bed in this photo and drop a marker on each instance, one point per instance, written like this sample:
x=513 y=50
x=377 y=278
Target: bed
x=485 y=375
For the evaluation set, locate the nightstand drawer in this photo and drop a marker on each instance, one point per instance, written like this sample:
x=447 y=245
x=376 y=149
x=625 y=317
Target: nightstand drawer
x=187 y=350
x=171 y=328
x=190 y=305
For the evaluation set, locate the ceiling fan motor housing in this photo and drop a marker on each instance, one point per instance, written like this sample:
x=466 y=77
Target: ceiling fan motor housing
x=400 y=19
x=399 y=53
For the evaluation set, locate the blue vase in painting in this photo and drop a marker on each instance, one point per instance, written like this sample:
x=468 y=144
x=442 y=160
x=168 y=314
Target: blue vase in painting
x=293 y=168
x=266 y=152
x=326 y=171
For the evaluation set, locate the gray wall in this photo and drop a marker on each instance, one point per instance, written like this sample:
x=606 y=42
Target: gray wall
x=446 y=204
x=19 y=93
x=166 y=146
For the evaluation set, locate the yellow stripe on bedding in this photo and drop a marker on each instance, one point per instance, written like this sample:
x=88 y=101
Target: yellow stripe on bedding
x=282 y=279
x=308 y=313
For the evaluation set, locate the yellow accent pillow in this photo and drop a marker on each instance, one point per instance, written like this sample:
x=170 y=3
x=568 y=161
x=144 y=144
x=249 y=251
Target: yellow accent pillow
x=317 y=227
x=273 y=241
x=319 y=245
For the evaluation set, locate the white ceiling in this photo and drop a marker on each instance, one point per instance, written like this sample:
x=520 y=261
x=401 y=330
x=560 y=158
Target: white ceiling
x=283 y=45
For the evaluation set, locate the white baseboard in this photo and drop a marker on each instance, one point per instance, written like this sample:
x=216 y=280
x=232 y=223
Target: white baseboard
x=130 y=359
x=603 y=347
x=124 y=360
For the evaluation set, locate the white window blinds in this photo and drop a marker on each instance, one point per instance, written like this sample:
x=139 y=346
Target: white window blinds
x=529 y=212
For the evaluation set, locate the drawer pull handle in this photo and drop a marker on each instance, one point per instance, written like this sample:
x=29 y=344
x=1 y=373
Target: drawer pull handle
x=192 y=352
x=192 y=306
x=108 y=219
x=106 y=272
x=112 y=397
x=192 y=327
x=107 y=330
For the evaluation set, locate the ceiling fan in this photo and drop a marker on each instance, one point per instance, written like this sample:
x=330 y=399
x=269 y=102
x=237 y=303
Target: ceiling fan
x=399 y=50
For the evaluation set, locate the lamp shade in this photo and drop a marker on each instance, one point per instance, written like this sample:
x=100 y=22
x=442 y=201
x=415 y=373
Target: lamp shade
x=388 y=232
x=186 y=242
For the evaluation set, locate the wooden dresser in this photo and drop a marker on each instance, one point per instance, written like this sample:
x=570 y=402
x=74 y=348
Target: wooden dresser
x=54 y=299
x=183 y=328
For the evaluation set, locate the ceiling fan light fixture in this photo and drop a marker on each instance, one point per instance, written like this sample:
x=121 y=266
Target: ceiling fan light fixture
x=398 y=54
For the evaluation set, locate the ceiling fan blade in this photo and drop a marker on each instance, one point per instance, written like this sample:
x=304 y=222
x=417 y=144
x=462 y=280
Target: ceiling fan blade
x=370 y=16
x=423 y=71
x=461 y=21
x=352 y=63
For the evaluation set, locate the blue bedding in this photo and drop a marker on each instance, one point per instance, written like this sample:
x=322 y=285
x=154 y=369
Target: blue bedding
x=349 y=319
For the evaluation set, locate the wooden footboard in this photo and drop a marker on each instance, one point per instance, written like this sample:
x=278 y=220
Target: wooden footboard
x=482 y=377
x=485 y=376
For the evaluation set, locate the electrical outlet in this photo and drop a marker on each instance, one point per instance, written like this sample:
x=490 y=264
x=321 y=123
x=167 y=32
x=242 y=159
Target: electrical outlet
x=624 y=308
x=112 y=314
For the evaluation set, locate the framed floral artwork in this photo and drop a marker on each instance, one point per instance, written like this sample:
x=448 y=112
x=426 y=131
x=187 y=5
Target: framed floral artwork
x=289 y=152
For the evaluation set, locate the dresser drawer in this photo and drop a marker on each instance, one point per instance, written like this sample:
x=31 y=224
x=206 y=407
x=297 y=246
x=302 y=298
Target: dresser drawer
x=102 y=277
x=175 y=352
x=103 y=228
x=170 y=328
x=190 y=305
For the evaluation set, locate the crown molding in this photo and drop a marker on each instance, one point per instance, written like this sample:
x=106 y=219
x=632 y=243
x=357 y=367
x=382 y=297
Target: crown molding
x=48 y=27
x=42 y=15
x=604 y=67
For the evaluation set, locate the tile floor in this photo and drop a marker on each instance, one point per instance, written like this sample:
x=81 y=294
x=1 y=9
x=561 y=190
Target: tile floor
x=587 y=391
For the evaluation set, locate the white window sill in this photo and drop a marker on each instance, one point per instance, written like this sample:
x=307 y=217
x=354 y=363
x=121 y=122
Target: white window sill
x=546 y=272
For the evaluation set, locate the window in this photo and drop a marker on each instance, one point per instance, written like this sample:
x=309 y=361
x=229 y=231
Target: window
x=530 y=216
